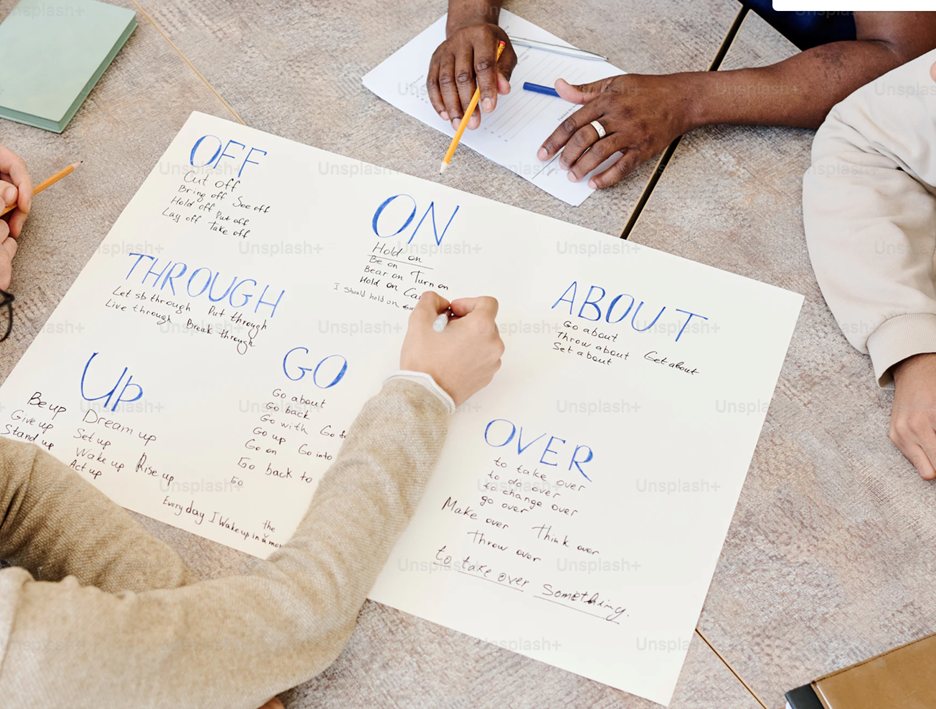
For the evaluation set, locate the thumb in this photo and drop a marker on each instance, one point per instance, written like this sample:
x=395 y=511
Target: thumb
x=8 y=194
x=581 y=93
x=430 y=305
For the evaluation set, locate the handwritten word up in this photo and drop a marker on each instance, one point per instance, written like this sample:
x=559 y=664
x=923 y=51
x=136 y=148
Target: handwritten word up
x=129 y=392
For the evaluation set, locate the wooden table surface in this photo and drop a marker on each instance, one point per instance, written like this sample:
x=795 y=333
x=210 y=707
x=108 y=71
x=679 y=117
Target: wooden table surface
x=828 y=555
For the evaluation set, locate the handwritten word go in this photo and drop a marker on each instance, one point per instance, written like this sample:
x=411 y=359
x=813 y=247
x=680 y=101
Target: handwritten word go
x=295 y=372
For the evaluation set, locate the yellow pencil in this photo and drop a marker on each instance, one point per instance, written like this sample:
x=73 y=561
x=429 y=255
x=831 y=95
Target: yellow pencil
x=45 y=183
x=464 y=121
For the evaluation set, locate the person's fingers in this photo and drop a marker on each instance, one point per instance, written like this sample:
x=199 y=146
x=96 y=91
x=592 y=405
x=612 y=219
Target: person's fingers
x=465 y=79
x=597 y=154
x=583 y=139
x=8 y=194
x=7 y=252
x=907 y=437
x=17 y=220
x=482 y=305
x=274 y=703
x=432 y=86
x=916 y=455
x=503 y=84
x=505 y=66
x=485 y=67
x=9 y=247
x=448 y=87
x=4 y=230
x=559 y=137
x=624 y=166
x=475 y=119
x=581 y=93
x=929 y=453
x=15 y=167
x=429 y=307
x=927 y=440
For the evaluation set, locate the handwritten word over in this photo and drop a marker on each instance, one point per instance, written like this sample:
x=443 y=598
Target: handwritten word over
x=500 y=432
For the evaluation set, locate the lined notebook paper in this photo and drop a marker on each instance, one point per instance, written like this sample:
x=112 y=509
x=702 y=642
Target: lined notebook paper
x=522 y=120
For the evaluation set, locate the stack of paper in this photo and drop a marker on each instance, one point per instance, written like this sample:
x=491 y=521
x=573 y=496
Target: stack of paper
x=52 y=55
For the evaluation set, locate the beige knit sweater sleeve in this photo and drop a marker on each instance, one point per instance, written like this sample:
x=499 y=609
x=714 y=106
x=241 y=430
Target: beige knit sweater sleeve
x=869 y=206
x=227 y=643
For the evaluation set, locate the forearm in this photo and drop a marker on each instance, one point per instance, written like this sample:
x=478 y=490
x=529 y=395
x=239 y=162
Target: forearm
x=870 y=218
x=54 y=524
x=799 y=91
x=232 y=643
x=462 y=13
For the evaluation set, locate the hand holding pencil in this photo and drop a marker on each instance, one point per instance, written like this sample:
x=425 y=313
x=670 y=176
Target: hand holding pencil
x=467 y=59
x=467 y=116
x=25 y=192
x=16 y=191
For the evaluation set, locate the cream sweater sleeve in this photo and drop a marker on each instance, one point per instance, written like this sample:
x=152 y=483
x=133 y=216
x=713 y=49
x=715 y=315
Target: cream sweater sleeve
x=54 y=524
x=232 y=643
x=869 y=209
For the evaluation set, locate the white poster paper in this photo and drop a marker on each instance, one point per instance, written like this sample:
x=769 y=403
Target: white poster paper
x=254 y=293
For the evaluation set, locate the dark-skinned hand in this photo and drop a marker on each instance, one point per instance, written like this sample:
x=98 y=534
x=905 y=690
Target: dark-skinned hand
x=466 y=60
x=641 y=115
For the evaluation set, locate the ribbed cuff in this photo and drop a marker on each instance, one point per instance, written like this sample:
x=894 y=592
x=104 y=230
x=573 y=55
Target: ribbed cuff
x=427 y=381
x=898 y=338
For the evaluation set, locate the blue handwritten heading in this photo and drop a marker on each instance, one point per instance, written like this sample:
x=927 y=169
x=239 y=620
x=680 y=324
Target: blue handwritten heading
x=129 y=392
x=388 y=227
x=506 y=431
x=614 y=311
x=202 y=281
x=202 y=148
x=295 y=371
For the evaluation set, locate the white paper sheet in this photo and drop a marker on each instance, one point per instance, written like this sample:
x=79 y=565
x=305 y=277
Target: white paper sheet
x=204 y=365
x=511 y=135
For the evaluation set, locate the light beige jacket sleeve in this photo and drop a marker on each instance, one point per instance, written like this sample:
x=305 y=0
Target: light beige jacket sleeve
x=229 y=643
x=869 y=207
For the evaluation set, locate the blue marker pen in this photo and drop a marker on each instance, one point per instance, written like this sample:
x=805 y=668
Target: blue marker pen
x=537 y=89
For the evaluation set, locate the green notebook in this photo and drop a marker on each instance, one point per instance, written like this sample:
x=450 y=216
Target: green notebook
x=52 y=53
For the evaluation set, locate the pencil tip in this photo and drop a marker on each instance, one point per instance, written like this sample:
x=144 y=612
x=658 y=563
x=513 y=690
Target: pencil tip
x=442 y=169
